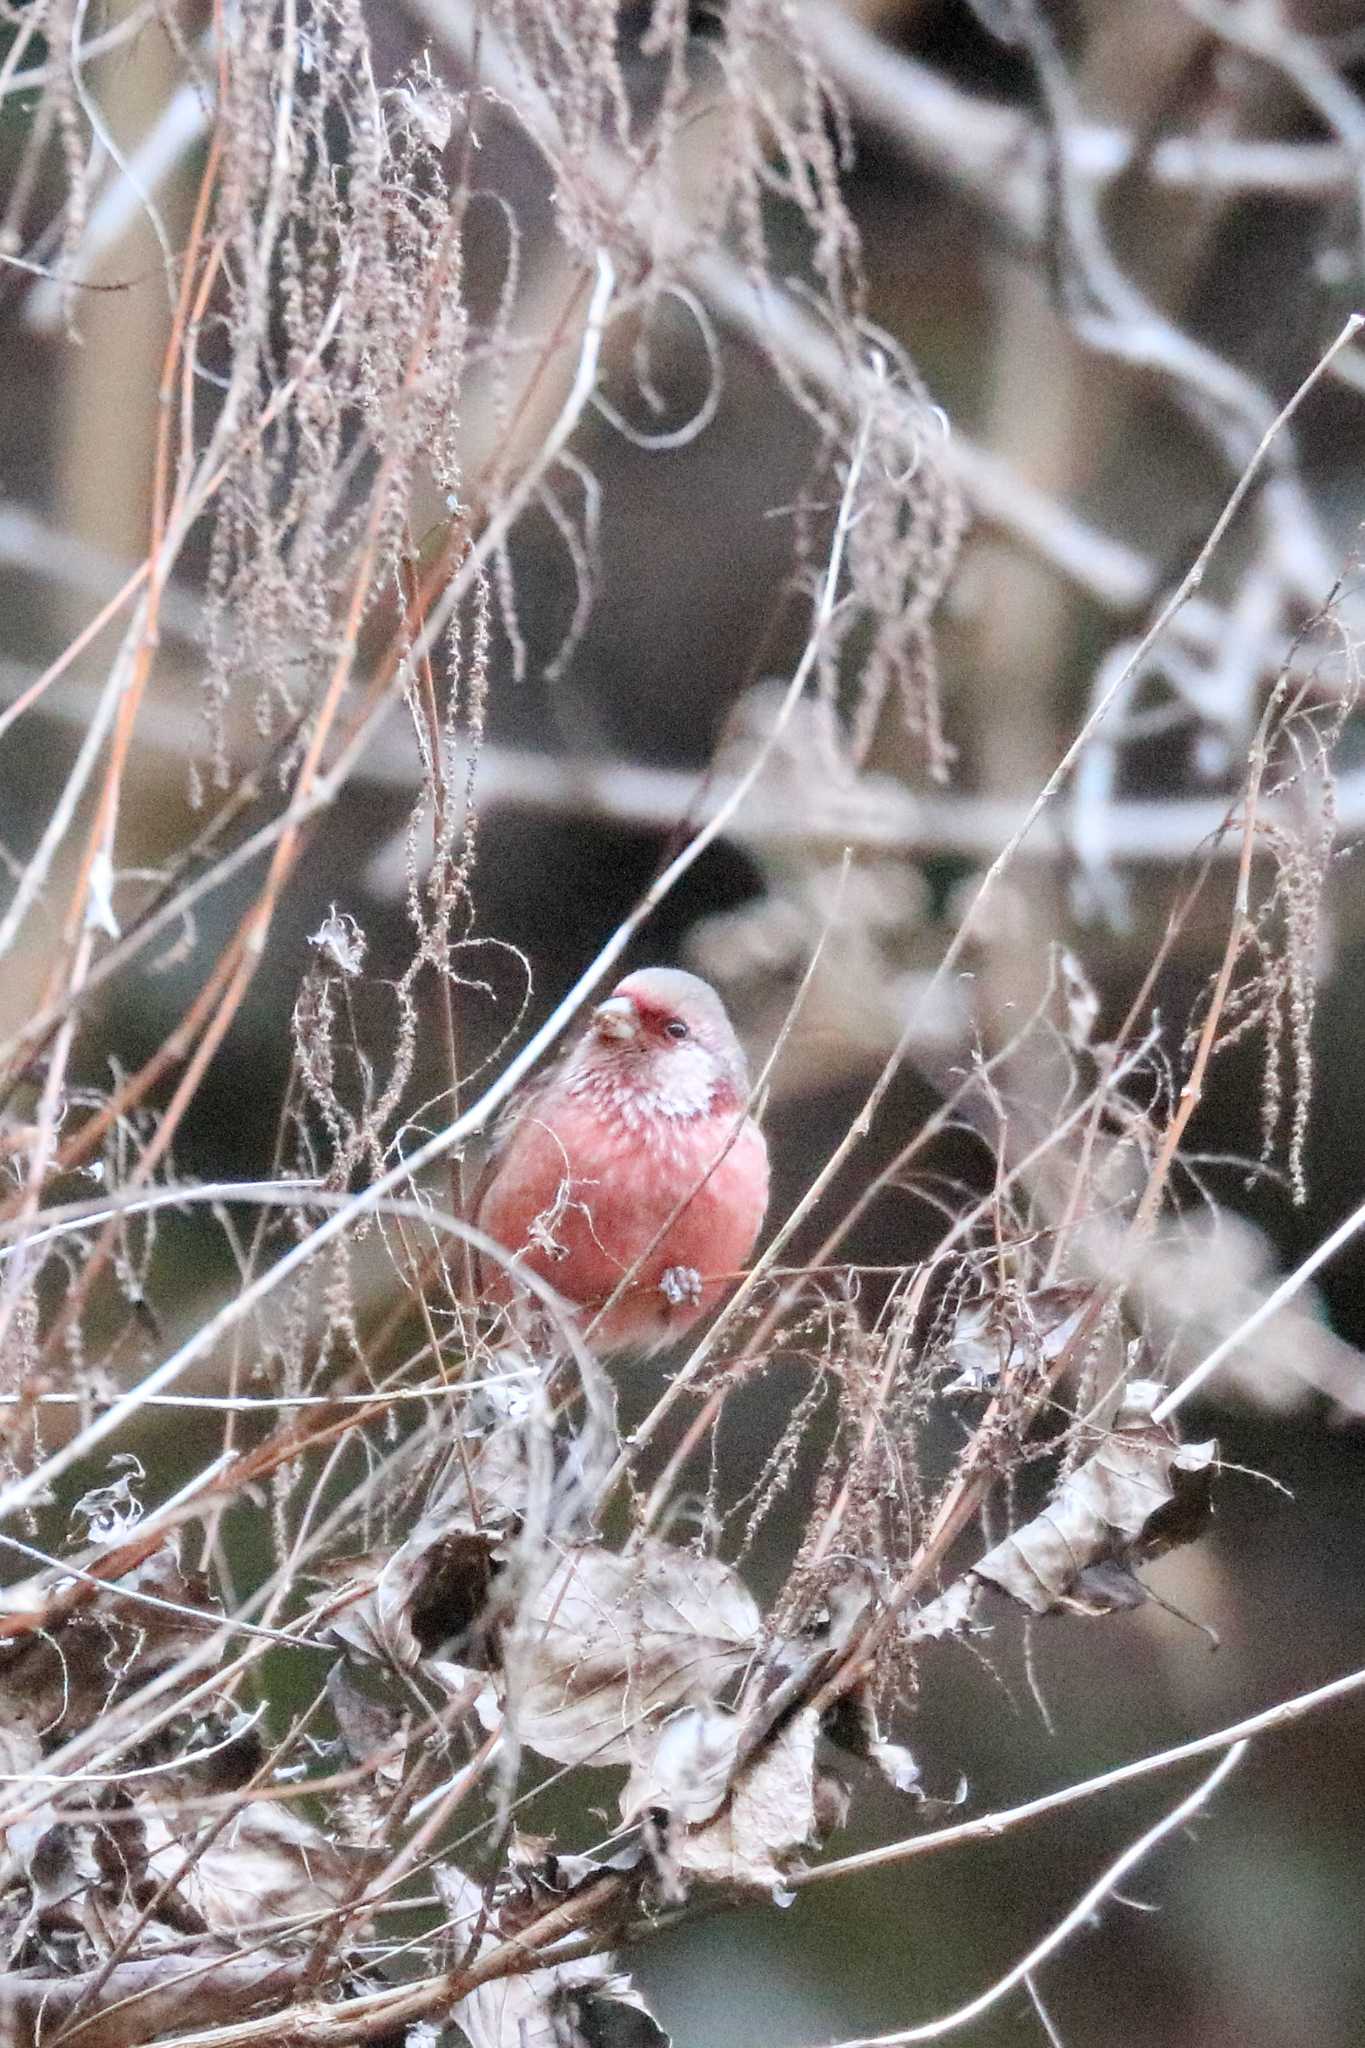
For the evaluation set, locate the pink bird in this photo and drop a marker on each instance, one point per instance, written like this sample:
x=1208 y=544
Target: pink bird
x=633 y=1159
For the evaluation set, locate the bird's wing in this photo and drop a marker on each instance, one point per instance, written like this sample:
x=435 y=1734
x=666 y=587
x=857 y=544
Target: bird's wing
x=524 y=1101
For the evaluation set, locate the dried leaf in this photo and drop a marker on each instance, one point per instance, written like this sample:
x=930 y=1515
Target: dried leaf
x=833 y=1798
x=612 y=1641
x=898 y=1767
x=433 y=1590
x=60 y=1678
x=587 y=2003
x=1005 y=1332
x=77 y=1885
x=852 y=1725
x=61 y=1874
x=539 y=1875
x=687 y=1770
x=340 y=939
x=1142 y=1493
x=367 y=1726
x=953 y=1613
x=604 y=1644
x=769 y=1819
x=576 y=2005
x=476 y=1688
x=268 y=1864
x=112 y=1512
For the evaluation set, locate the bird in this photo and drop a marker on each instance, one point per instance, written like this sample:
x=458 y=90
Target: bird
x=630 y=1176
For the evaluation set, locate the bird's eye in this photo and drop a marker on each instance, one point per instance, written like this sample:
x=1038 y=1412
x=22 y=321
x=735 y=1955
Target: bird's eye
x=676 y=1028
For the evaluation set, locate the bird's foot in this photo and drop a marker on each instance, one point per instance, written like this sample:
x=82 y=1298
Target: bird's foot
x=681 y=1286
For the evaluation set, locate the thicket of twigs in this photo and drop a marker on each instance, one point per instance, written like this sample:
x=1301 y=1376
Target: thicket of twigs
x=324 y=1598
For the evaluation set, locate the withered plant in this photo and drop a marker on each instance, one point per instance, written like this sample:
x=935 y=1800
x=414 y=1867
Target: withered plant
x=324 y=1587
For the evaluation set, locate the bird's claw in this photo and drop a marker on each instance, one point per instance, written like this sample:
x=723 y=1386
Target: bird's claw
x=680 y=1286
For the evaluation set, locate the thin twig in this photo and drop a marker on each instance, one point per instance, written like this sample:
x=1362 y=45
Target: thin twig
x=988 y=1826
x=1070 y=1924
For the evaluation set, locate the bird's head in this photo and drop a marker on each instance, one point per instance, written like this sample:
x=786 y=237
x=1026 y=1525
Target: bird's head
x=663 y=1035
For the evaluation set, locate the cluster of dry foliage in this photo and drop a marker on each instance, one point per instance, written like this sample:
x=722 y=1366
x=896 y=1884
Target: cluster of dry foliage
x=273 y=1726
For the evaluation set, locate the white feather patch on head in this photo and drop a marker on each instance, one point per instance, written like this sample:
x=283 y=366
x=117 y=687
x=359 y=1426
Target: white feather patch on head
x=643 y=1088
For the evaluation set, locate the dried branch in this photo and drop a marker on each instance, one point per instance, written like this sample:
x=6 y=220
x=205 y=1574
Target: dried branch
x=987 y=1826
x=1079 y=1916
x=401 y=300
x=154 y=1994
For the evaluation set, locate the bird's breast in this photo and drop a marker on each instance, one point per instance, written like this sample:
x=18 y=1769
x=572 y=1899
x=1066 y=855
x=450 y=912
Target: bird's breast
x=586 y=1195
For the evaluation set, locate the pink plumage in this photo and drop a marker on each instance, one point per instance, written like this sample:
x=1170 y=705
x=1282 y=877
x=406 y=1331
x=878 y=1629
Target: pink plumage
x=634 y=1156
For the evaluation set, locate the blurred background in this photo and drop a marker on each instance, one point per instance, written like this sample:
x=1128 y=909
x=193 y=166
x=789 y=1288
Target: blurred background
x=1113 y=237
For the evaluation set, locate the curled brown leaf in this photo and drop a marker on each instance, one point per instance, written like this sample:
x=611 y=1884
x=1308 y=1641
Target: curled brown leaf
x=1141 y=1493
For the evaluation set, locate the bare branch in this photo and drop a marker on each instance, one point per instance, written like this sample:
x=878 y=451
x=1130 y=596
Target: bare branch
x=1079 y=1916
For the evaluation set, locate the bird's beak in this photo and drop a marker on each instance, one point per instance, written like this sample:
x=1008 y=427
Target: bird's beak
x=616 y=1018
